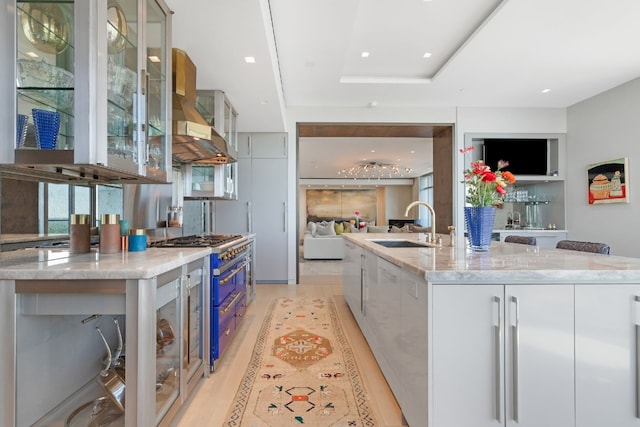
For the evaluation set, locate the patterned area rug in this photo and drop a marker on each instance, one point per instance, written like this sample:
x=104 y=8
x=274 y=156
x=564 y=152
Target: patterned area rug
x=302 y=371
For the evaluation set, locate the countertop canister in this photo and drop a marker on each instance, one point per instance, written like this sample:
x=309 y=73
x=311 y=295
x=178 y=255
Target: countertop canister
x=80 y=234
x=109 y=233
x=137 y=239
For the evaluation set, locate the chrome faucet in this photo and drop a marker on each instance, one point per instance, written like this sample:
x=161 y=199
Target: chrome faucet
x=433 y=216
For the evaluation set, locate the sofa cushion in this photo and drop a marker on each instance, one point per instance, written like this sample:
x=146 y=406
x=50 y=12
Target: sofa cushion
x=378 y=228
x=339 y=228
x=404 y=229
x=326 y=228
x=311 y=228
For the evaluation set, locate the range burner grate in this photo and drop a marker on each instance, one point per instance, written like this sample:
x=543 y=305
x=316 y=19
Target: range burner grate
x=197 y=241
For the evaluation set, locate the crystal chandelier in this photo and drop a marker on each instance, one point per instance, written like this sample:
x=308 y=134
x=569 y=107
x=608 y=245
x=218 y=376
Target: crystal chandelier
x=374 y=170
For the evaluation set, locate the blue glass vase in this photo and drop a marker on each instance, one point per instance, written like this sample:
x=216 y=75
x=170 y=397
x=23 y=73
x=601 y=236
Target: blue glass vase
x=46 y=125
x=479 y=220
x=22 y=121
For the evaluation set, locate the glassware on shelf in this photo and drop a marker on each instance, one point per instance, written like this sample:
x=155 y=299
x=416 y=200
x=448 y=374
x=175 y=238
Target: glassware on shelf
x=122 y=84
x=46 y=125
x=45 y=83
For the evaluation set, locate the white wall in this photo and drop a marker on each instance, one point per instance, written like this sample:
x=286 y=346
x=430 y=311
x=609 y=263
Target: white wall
x=498 y=120
x=396 y=201
x=465 y=119
x=602 y=128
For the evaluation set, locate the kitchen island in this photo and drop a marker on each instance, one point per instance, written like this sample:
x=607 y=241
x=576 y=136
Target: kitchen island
x=517 y=335
x=53 y=301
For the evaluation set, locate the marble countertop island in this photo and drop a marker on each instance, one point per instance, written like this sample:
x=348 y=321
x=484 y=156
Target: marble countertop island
x=503 y=263
x=56 y=264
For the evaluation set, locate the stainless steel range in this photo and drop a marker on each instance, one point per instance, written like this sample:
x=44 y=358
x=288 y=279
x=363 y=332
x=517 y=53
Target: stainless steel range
x=231 y=283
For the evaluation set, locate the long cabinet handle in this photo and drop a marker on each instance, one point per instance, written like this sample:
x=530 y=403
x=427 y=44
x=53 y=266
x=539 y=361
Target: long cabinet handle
x=284 y=217
x=515 y=346
x=497 y=338
x=637 y=327
x=362 y=273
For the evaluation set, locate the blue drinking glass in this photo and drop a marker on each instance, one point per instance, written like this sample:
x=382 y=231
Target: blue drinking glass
x=22 y=121
x=46 y=124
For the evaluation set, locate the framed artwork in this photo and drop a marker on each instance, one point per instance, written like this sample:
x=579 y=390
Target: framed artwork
x=608 y=182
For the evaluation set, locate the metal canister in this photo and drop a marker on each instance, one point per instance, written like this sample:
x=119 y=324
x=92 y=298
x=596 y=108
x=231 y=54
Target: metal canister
x=79 y=234
x=137 y=239
x=109 y=233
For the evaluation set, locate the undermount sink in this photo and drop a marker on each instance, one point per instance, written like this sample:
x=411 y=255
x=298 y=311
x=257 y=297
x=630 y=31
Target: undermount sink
x=401 y=243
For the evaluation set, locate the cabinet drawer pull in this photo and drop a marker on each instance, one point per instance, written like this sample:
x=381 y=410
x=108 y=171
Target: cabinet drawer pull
x=515 y=338
x=497 y=337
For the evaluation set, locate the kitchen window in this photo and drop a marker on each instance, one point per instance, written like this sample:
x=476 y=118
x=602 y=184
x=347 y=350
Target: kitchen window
x=59 y=201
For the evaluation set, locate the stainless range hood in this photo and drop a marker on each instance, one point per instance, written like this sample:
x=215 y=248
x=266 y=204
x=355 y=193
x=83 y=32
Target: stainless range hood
x=193 y=139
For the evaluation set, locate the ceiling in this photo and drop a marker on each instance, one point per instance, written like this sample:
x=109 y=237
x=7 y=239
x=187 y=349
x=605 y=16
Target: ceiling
x=483 y=53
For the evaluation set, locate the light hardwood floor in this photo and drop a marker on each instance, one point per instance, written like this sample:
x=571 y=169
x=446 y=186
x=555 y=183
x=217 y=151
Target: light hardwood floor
x=208 y=406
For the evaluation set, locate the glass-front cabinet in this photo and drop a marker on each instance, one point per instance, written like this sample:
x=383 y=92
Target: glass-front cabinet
x=215 y=178
x=91 y=90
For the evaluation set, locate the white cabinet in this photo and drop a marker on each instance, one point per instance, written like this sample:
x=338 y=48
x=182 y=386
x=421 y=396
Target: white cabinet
x=502 y=355
x=263 y=145
x=353 y=279
x=607 y=344
x=390 y=306
x=261 y=207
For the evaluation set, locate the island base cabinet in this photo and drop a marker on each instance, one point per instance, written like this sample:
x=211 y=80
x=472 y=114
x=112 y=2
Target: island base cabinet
x=607 y=355
x=502 y=355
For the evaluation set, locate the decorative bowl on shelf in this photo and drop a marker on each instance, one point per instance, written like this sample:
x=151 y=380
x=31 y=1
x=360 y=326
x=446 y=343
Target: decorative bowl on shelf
x=116 y=28
x=47 y=126
x=45 y=25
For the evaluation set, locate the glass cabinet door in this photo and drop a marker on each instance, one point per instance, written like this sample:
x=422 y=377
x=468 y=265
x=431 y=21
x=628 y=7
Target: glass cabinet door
x=157 y=91
x=44 y=75
x=122 y=80
x=167 y=347
x=194 y=322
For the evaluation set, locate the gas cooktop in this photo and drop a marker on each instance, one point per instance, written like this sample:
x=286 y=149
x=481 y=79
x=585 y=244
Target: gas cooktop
x=197 y=241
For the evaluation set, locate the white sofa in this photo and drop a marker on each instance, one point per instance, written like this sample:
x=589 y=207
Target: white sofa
x=322 y=242
x=323 y=247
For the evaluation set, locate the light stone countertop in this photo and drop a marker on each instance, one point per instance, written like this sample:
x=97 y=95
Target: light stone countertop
x=59 y=264
x=504 y=263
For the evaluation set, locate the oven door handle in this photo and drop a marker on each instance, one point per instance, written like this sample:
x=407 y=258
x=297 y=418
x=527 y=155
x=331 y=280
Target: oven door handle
x=232 y=303
x=233 y=273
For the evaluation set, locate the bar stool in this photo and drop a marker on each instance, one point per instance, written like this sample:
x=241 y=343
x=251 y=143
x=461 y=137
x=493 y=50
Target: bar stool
x=576 y=245
x=524 y=240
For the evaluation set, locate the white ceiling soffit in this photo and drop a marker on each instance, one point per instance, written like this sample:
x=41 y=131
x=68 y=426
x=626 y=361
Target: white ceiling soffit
x=489 y=53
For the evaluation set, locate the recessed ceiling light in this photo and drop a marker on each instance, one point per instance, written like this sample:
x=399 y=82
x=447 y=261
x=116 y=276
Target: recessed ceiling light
x=412 y=151
x=249 y=59
x=427 y=54
x=546 y=90
x=373 y=151
x=364 y=54
x=264 y=102
x=32 y=54
x=154 y=58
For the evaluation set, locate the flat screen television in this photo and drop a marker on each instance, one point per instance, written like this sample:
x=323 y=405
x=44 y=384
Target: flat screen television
x=525 y=156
